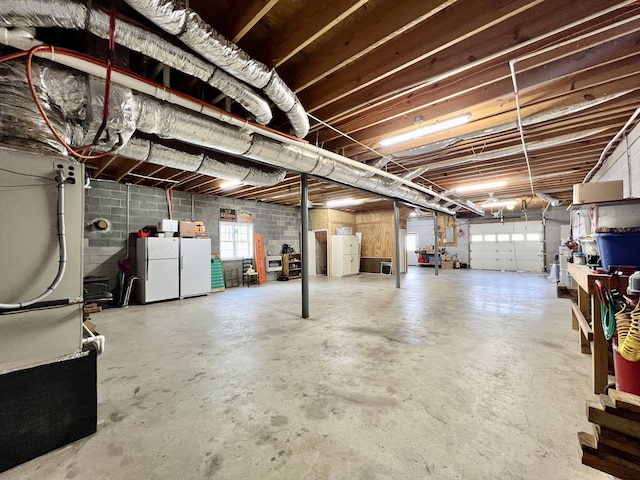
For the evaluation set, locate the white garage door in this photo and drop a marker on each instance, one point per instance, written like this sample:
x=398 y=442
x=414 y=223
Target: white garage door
x=512 y=246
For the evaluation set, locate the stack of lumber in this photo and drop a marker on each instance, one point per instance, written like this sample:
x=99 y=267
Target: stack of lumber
x=614 y=448
x=564 y=291
x=88 y=309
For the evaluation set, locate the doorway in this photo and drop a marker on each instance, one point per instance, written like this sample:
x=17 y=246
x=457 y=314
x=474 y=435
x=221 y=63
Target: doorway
x=320 y=238
x=412 y=246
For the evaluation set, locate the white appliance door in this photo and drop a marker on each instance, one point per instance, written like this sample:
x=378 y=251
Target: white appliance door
x=347 y=261
x=158 y=248
x=351 y=247
x=161 y=279
x=355 y=264
x=195 y=266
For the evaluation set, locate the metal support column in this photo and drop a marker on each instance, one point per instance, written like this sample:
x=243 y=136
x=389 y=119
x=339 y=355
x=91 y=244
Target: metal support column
x=304 y=250
x=396 y=222
x=435 y=243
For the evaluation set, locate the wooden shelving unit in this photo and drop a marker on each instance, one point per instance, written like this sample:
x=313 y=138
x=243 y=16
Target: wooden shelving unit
x=586 y=318
x=292 y=265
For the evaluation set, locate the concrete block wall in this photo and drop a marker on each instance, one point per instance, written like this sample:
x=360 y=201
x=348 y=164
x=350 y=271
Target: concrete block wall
x=278 y=224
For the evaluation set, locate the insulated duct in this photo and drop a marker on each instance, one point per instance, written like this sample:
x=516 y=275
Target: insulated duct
x=75 y=114
x=147 y=151
x=71 y=14
x=191 y=123
x=194 y=32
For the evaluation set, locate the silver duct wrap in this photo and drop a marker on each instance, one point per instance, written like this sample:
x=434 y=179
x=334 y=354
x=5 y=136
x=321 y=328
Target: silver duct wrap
x=169 y=157
x=146 y=151
x=136 y=149
x=20 y=123
x=123 y=114
x=202 y=38
x=164 y=13
x=313 y=162
x=73 y=103
x=72 y=15
x=63 y=98
x=240 y=173
x=167 y=121
x=42 y=13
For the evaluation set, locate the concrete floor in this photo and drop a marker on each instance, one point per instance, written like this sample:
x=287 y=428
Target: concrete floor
x=469 y=375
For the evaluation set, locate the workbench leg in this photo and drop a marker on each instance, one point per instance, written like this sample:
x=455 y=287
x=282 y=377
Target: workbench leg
x=599 y=350
x=585 y=345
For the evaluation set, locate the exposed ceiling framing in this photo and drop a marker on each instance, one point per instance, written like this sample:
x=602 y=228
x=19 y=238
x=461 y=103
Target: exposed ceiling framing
x=373 y=69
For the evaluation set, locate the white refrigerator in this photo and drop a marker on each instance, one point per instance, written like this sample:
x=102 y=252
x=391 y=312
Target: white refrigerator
x=195 y=267
x=158 y=268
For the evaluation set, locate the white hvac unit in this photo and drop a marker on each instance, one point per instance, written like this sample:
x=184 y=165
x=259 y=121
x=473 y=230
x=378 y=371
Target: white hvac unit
x=41 y=213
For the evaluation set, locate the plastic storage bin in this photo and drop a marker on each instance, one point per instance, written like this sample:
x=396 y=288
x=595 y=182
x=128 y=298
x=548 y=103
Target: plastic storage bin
x=619 y=248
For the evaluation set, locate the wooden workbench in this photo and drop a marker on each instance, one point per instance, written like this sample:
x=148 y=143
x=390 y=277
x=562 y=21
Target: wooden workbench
x=586 y=318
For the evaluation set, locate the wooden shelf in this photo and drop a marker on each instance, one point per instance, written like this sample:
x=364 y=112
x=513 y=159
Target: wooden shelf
x=586 y=317
x=611 y=203
x=292 y=265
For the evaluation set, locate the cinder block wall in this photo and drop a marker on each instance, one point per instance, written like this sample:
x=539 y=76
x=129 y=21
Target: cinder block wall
x=103 y=250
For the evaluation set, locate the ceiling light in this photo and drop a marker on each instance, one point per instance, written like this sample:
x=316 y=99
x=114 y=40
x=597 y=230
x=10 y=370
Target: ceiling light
x=478 y=186
x=229 y=184
x=503 y=203
x=426 y=130
x=343 y=202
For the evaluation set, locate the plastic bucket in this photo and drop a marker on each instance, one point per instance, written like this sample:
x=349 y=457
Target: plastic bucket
x=627 y=373
x=619 y=248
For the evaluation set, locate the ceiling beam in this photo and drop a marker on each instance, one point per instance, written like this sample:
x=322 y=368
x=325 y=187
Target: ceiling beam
x=246 y=14
x=316 y=20
x=575 y=71
x=384 y=23
x=441 y=49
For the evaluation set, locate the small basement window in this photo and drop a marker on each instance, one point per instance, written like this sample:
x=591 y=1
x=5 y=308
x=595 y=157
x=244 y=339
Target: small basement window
x=236 y=240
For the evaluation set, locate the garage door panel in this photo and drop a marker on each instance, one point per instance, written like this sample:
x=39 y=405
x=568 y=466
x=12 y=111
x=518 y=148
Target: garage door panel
x=522 y=252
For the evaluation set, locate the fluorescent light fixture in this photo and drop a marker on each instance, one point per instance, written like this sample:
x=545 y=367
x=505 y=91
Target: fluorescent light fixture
x=229 y=184
x=478 y=186
x=343 y=202
x=426 y=130
x=503 y=203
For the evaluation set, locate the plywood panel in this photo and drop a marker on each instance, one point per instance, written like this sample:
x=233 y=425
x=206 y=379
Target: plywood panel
x=319 y=218
x=338 y=218
x=377 y=240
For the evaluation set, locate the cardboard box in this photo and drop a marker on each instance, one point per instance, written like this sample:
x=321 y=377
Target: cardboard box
x=187 y=229
x=597 y=192
x=447 y=264
x=166 y=225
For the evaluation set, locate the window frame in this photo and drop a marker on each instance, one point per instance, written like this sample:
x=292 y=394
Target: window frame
x=234 y=241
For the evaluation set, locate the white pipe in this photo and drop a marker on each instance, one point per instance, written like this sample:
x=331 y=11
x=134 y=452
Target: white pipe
x=244 y=125
x=62 y=247
x=520 y=129
x=99 y=341
x=74 y=15
x=629 y=167
x=603 y=155
x=443 y=77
